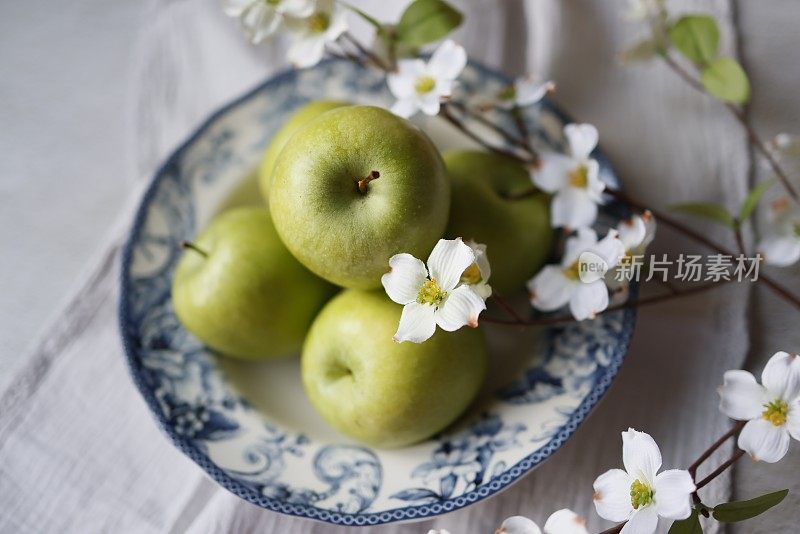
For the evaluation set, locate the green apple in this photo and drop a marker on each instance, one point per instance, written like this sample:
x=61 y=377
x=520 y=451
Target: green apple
x=355 y=186
x=241 y=292
x=380 y=392
x=516 y=232
x=300 y=117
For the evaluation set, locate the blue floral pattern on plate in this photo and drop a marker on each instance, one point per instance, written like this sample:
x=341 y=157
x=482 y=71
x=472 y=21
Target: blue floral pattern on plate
x=281 y=468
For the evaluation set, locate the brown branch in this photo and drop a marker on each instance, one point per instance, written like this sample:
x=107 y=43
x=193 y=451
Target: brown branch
x=719 y=470
x=742 y=118
x=364 y=51
x=455 y=121
x=565 y=319
x=704 y=240
x=505 y=134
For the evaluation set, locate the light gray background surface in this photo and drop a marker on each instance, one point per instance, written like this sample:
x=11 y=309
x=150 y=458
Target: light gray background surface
x=95 y=94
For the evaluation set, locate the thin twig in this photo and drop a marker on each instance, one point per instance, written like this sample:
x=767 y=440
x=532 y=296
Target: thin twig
x=505 y=134
x=719 y=470
x=564 y=319
x=742 y=118
x=364 y=51
x=734 y=431
x=704 y=240
x=455 y=121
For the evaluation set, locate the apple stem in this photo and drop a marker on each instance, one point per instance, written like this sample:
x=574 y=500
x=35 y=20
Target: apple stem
x=191 y=246
x=362 y=184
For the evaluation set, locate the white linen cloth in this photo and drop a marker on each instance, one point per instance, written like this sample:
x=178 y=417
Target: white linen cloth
x=79 y=451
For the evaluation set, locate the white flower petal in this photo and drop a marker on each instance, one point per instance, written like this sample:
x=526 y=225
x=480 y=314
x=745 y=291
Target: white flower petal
x=793 y=420
x=585 y=239
x=481 y=259
x=673 y=494
x=764 y=441
x=461 y=307
x=519 y=525
x=405 y=107
x=643 y=521
x=296 y=8
x=632 y=232
x=448 y=61
x=338 y=22
x=553 y=174
x=448 y=260
x=572 y=208
x=416 y=323
x=401 y=86
x=612 y=497
x=438 y=531
x=411 y=69
x=594 y=185
x=565 y=521
x=587 y=300
x=429 y=104
x=306 y=51
x=641 y=456
x=582 y=140
x=260 y=21
x=403 y=282
x=740 y=396
x=550 y=289
x=529 y=91
x=780 y=250
x=610 y=248
x=781 y=376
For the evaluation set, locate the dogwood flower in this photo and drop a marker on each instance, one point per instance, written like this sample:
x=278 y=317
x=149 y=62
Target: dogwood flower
x=434 y=295
x=477 y=274
x=584 y=257
x=781 y=244
x=421 y=86
x=563 y=521
x=525 y=91
x=637 y=232
x=771 y=409
x=262 y=18
x=639 y=494
x=326 y=22
x=438 y=531
x=574 y=179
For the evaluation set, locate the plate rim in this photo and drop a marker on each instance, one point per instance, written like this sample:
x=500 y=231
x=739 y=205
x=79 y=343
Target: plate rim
x=406 y=513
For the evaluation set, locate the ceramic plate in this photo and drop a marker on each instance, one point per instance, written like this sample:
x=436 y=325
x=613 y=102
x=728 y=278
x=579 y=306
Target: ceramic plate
x=250 y=427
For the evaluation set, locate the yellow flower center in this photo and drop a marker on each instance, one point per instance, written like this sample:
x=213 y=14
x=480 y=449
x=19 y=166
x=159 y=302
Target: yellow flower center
x=641 y=494
x=573 y=271
x=579 y=176
x=797 y=229
x=425 y=84
x=431 y=293
x=776 y=412
x=319 y=22
x=471 y=275
x=507 y=93
x=273 y=2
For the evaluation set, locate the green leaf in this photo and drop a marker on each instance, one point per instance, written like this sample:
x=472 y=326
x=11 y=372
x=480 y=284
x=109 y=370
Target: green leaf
x=690 y=525
x=643 y=50
x=707 y=210
x=752 y=198
x=696 y=37
x=725 y=79
x=425 y=21
x=731 y=512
